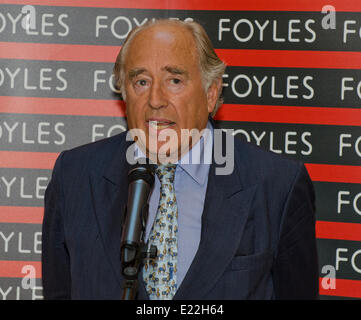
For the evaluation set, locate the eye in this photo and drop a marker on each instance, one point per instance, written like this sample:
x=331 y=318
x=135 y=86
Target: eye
x=176 y=81
x=141 y=82
x=175 y=84
x=141 y=85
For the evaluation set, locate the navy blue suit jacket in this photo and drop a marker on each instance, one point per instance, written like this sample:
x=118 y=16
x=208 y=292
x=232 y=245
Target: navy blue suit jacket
x=257 y=237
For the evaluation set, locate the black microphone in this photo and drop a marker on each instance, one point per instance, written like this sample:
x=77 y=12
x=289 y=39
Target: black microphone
x=140 y=180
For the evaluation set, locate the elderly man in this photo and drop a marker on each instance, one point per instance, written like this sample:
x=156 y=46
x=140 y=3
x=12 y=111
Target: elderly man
x=249 y=234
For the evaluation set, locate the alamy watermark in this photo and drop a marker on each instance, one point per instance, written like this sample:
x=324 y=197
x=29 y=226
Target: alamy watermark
x=28 y=284
x=328 y=282
x=192 y=147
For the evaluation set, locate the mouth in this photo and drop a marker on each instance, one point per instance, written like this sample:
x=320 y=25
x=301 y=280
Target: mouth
x=160 y=124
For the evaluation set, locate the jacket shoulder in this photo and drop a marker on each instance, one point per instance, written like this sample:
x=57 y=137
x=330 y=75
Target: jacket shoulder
x=264 y=163
x=94 y=156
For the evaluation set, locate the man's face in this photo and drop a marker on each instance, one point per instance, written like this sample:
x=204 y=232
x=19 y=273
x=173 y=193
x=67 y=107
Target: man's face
x=164 y=89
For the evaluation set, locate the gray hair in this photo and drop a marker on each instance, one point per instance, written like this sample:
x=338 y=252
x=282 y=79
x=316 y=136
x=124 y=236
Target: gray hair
x=211 y=66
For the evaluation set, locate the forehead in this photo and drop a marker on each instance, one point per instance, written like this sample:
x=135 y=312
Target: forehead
x=161 y=45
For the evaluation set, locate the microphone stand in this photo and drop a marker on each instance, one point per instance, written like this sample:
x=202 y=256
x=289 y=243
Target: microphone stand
x=132 y=255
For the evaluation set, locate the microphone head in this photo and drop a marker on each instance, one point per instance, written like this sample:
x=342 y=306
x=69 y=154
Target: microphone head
x=142 y=170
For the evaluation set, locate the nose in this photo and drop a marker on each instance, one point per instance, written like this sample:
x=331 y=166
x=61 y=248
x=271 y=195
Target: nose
x=157 y=97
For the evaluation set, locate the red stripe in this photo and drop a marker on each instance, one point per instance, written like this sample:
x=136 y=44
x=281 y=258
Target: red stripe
x=290 y=114
x=228 y=112
x=45 y=160
x=61 y=52
x=291 y=59
x=9 y=214
x=344 y=288
x=62 y=106
x=324 y=229
x=266 y=5
x=338 y=230
x=27 y=160
x=232 y=57
x=334 y=173
x=12 y=269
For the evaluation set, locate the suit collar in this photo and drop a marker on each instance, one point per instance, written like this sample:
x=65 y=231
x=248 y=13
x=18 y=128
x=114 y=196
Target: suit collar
x=117 y=168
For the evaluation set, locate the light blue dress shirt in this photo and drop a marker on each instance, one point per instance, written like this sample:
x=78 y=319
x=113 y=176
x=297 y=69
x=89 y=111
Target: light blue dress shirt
x=190 y=185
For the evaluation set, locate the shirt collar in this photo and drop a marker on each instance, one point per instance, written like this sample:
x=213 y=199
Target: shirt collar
x=196 y=161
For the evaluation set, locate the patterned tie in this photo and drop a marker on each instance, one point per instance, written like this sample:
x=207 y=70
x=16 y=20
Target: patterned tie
x=159 y=274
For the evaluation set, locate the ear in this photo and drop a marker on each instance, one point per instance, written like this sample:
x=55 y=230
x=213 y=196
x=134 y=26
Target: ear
x=213 y=94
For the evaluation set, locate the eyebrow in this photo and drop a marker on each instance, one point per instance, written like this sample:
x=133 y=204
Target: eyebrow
x=175 y=70
x=171 y=69
x=135 y=72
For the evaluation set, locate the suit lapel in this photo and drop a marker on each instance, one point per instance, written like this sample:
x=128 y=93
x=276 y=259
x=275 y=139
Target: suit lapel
x=109 y=194
x=224 y=217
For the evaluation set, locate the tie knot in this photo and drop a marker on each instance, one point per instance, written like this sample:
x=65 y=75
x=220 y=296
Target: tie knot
x=165 y=173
